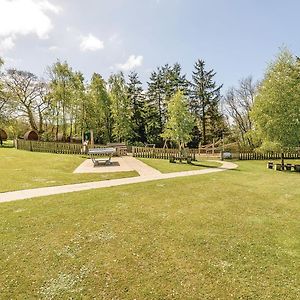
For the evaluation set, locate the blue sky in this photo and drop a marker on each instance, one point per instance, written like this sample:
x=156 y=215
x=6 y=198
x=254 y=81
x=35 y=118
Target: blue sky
x=237 y=38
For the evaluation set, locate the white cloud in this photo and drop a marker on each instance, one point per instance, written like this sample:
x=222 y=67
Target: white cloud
x=131 y=63
x=47 y=6
x=23 y=17
x=7 y=43
x=90 y=43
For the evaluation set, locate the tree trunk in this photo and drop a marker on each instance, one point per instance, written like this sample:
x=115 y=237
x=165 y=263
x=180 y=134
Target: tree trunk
x=204 y=126
x=282 y=160
x=64 y=137
x=31 y=119
x=71 y=128
x=92 y=137
x=57 y=124
x=41 y=130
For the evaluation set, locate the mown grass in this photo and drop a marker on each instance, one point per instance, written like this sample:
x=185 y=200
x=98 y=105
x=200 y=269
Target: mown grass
x=24 y=170
x=164 y=166
x=229 y=235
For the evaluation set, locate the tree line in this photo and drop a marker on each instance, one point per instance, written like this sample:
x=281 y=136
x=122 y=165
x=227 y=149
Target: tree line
x=171 y=109
x=65 y=105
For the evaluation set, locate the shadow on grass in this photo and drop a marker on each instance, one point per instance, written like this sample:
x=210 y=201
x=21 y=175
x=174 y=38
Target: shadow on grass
x=220 y=167
x=204 y=166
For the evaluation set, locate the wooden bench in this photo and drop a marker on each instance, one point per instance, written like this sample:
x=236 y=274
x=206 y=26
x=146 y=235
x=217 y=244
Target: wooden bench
x=120 y=147
x=180 y=159
x=280 y=167
x=149 y=145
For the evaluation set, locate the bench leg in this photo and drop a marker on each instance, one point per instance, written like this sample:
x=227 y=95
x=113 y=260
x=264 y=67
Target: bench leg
x=172 y=159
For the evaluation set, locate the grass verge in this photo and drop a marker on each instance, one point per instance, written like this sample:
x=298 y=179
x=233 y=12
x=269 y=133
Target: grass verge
x=25 y=170
x=164 y=166
x=229 y=235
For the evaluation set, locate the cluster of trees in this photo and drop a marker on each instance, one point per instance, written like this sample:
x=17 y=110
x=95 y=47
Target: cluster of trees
x=276 y=110
x=263 y=115
x=266 y=115
x=65 y=106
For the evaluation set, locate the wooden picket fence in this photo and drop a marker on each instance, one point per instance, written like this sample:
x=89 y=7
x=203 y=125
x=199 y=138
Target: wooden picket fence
x=51 y=147
x=268 y=155
x=161 y=153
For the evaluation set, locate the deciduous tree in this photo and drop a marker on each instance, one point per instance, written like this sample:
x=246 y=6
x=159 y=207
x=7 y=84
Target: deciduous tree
x=120 y=108
x=100 y=109
x=180 y=121
x=61 y=76
x=238 y=104
x=27 y=92
x=276 y=110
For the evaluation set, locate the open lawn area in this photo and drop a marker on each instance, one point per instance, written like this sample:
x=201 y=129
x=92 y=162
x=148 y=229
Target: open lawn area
x=24 y=170
x=228 y=235
x=164 y=166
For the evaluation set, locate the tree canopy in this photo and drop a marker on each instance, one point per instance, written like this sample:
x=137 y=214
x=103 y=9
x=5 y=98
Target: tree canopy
x=180 y=121
x=276 y=110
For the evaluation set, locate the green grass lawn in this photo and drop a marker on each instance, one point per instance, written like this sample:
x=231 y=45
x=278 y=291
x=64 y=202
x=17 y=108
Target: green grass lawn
x=228 y=235
x=24 y=170
x=164 y=166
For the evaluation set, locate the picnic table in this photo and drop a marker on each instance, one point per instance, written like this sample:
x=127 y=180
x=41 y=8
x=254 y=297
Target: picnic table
x=184 y=155
x=188 y=158
x=280 y=167
x=105 y=153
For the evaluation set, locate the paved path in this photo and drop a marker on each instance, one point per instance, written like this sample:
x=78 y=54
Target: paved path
x=143 y=169
x=119 y=164
x=147 y=174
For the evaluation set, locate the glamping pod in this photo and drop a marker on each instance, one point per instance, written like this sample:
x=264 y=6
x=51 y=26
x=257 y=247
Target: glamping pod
x=31 y=135
x=3 y=135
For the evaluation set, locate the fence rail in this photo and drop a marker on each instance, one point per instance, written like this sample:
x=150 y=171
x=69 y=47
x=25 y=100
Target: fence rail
x=51 y=147
x=162 y=153
x=268 y=155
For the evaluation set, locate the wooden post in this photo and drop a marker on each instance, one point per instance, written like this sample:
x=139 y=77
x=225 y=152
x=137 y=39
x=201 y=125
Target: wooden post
x=223 y=146
x=282 y=160
x=213 y=147
x=92 y=138
x=82 y=136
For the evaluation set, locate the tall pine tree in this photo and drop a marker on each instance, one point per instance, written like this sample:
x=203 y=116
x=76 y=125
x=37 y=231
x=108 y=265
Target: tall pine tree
x=163 y=84
x=205 y=98
x=137 y=100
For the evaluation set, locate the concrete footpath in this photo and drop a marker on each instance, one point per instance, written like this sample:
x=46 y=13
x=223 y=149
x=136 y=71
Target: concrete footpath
x=146 y=174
